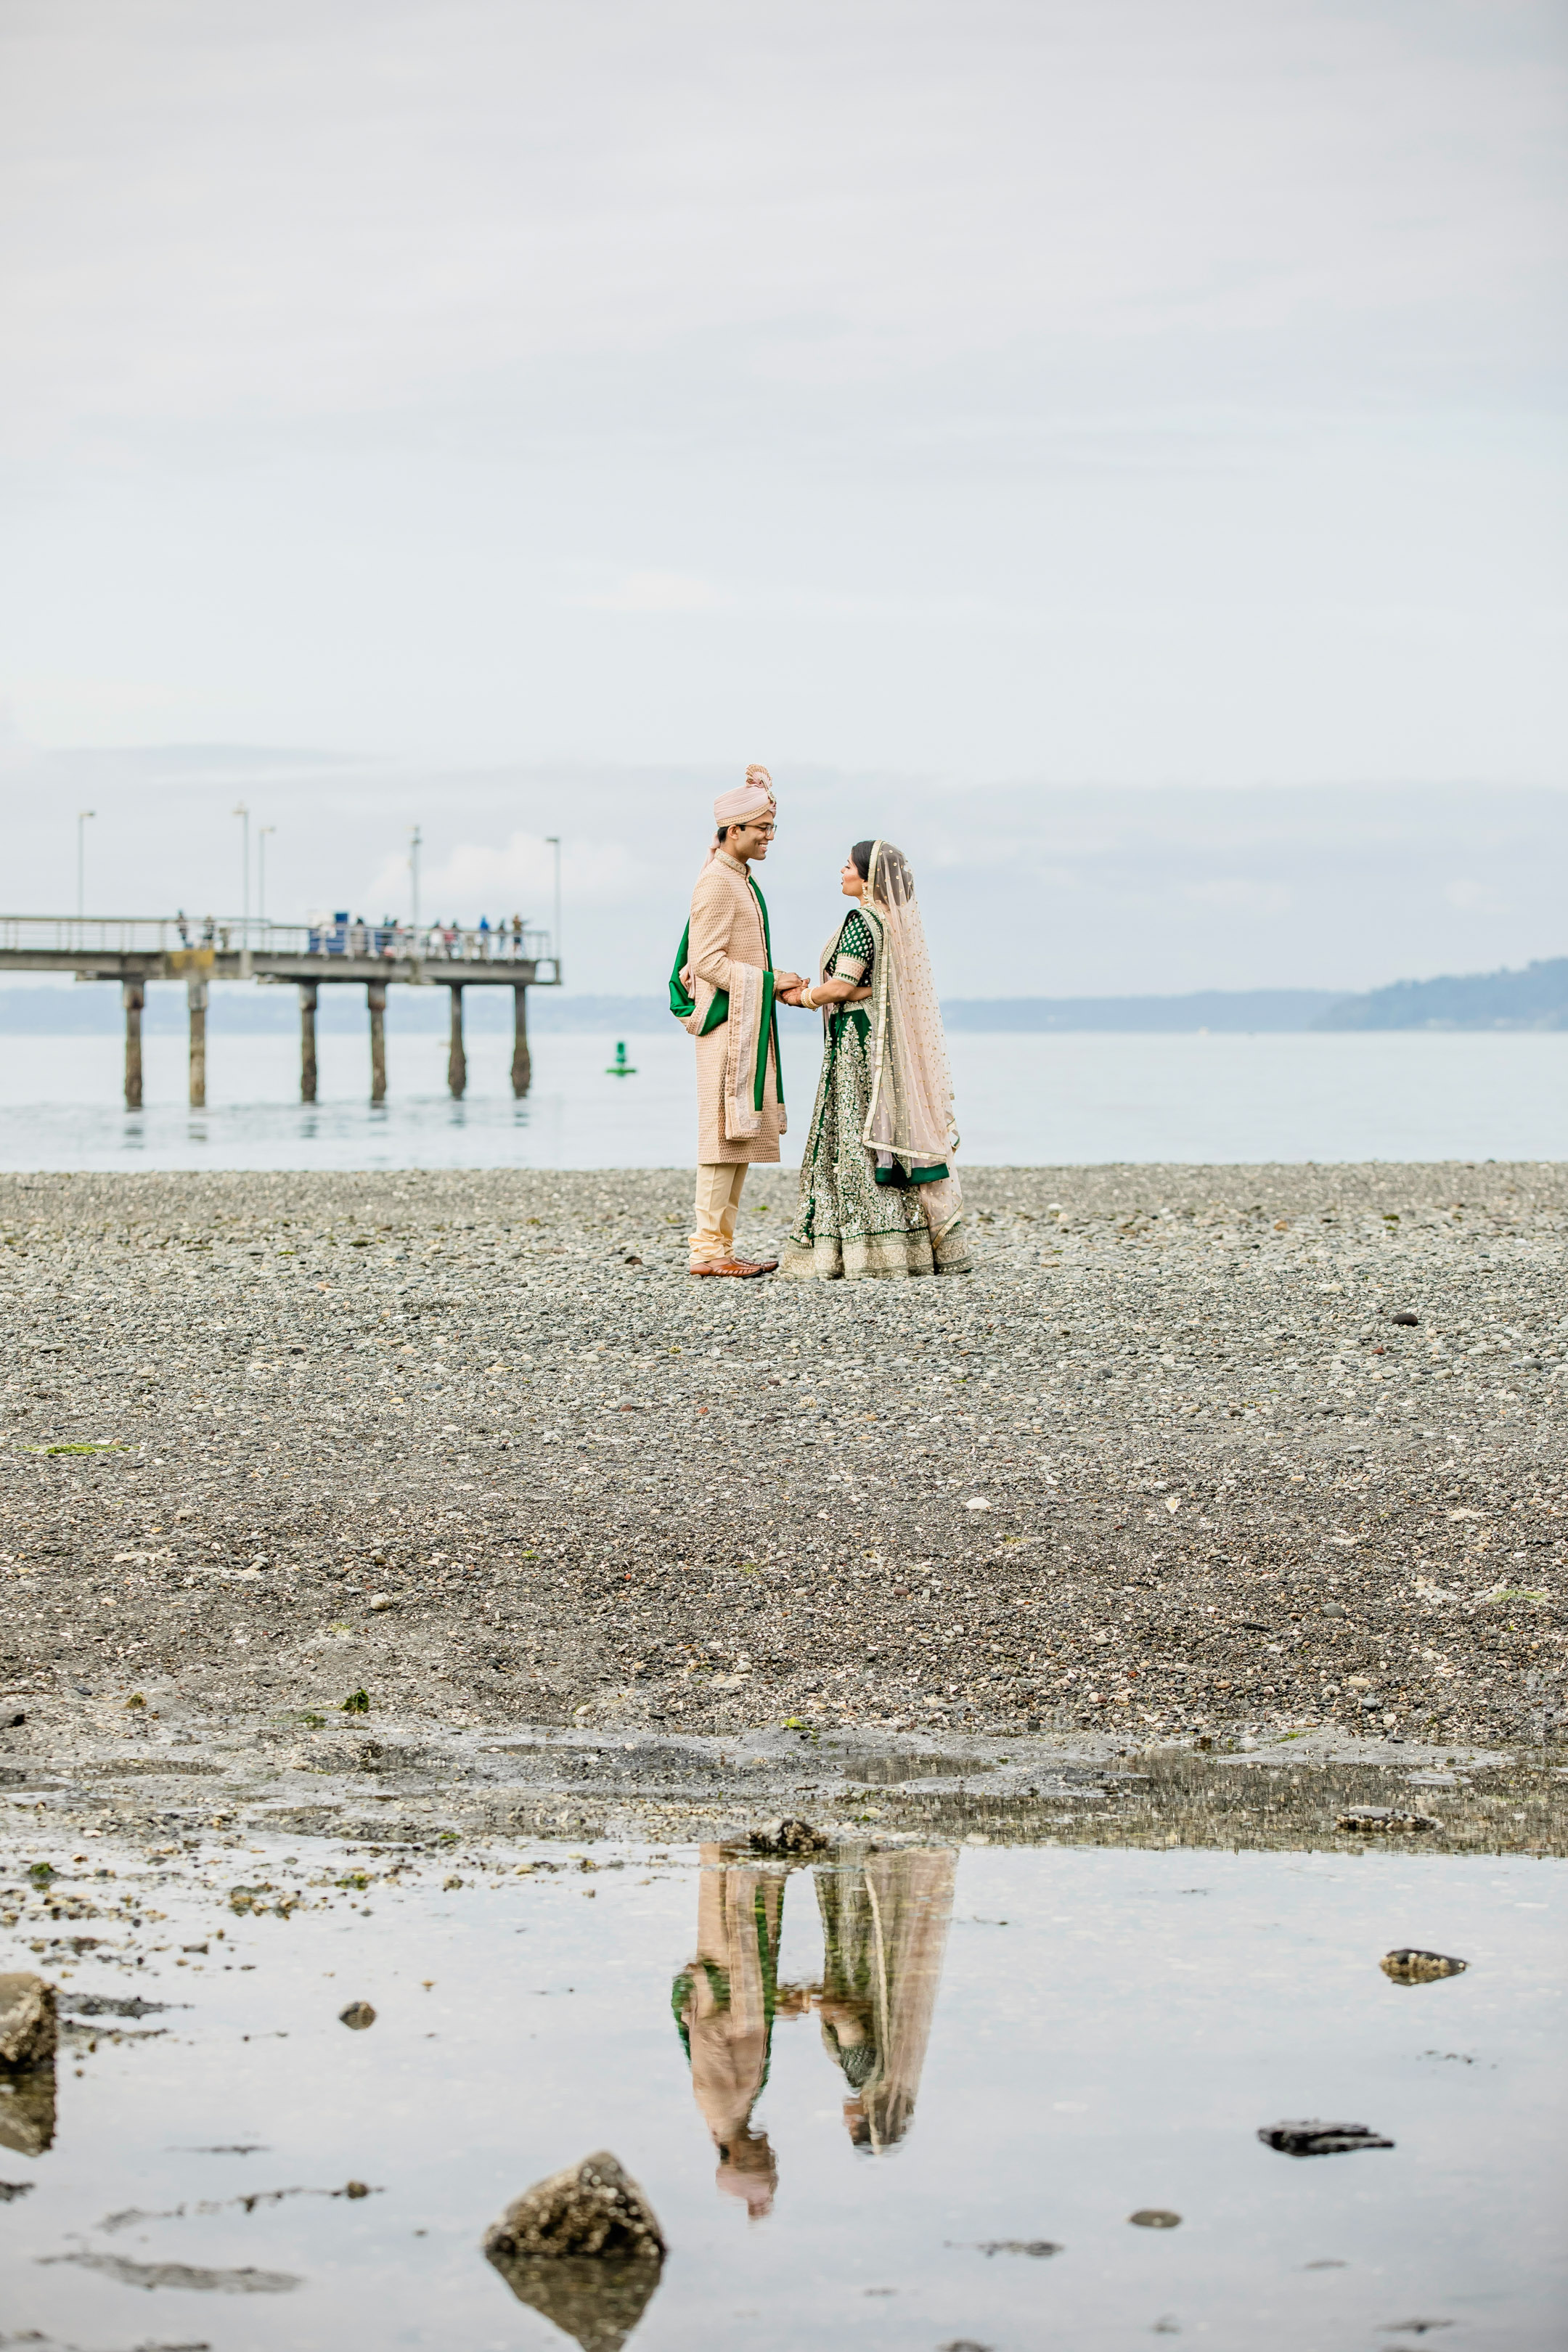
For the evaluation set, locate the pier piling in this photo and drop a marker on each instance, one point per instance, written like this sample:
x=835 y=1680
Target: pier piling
x=309 y=990
x=521 y=1065
x=197 y=1001
x=375 y=997
x=134 y=993
x=456 y=1060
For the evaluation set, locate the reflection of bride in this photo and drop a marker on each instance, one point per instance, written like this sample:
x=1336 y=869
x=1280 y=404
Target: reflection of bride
x=884 y=1925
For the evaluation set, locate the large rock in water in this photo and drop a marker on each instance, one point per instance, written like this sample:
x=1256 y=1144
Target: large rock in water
x=1310 y=2136
x=29 y=2034
x=1409 y=1967
x=584 y=2249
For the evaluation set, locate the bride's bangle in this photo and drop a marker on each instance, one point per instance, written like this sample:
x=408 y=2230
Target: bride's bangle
x=807 y=997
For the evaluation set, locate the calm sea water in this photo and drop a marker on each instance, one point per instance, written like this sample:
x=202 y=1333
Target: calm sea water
x=1054 y=2045
x=1021 y=1101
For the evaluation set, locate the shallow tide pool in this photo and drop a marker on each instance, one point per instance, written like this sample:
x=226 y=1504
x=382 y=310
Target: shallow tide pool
x=907 y=2096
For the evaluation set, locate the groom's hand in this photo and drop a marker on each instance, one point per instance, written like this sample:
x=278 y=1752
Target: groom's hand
x=785 y=981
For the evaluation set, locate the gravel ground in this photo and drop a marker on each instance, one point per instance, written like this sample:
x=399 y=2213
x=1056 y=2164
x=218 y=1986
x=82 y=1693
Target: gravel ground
x=1164 y=1467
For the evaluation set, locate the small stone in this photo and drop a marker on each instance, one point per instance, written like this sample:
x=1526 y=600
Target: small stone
x=29 y=2033
x=381 y=1600
x=1406 y=1966
x=1037 y=2248
x=1406 y=1318
x=357 y=2016
x=1382 y=1821
x=1311 y=2137
x=1154 y=2217
x=356 y=2189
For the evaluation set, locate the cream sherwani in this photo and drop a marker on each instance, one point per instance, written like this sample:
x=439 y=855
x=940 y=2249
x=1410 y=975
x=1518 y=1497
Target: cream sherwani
x=728 y=950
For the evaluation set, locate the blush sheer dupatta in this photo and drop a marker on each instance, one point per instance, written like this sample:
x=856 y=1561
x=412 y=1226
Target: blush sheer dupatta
x=911 y=1115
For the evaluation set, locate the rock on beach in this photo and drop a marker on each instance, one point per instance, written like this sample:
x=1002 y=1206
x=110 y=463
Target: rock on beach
x=29 y=2029
x=584 y=2248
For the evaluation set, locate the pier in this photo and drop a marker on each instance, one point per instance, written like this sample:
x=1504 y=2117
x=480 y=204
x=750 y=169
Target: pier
x=133 y=951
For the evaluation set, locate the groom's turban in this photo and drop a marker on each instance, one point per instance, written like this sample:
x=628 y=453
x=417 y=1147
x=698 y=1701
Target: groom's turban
x=754 y=798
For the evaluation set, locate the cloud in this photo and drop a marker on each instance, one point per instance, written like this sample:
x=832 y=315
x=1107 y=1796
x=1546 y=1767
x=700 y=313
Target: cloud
x=1239 y=894
x=1132 y=390
x=652 y=592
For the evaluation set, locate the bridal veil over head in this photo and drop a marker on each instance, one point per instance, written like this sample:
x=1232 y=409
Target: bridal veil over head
x=912 y=1112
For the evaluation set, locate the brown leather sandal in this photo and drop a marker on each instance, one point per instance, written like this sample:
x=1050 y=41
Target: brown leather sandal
x=740 y=1267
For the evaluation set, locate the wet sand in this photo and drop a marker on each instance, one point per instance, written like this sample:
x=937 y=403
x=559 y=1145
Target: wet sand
x=1165 y=1469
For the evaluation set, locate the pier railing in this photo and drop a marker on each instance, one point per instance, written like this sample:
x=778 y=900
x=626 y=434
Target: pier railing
x=330 y=936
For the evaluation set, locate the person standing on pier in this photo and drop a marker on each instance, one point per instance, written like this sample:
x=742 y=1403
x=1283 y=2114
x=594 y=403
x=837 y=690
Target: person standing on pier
x=723 y=989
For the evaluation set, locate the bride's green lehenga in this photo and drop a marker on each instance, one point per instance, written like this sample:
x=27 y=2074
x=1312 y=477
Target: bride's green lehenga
x=862 y=1214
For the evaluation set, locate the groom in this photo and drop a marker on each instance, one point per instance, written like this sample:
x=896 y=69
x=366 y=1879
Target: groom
x=723 y=989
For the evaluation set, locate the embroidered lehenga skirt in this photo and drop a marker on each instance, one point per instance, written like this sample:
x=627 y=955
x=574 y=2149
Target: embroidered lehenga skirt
x=849 y=1226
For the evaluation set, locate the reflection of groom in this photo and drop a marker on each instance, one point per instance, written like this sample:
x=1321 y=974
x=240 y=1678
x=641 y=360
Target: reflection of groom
x=724 y=2005
x=727 y=987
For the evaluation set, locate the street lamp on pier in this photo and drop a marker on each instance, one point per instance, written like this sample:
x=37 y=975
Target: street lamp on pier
x=553 y=842
x=243 y=812
x=82 y=818
x=261 y=832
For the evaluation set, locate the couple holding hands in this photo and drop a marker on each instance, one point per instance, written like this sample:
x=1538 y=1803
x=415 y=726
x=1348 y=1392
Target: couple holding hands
x=878 y=1192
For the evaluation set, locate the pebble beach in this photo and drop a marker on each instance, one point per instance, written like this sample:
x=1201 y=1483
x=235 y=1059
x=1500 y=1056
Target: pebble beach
x=1193 y=1455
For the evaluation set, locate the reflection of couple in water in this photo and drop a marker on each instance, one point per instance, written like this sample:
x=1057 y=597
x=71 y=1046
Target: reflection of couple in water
x=884 y=1925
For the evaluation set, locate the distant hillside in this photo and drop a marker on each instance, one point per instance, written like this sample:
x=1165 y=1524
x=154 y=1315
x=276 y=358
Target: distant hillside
x=1535 y=998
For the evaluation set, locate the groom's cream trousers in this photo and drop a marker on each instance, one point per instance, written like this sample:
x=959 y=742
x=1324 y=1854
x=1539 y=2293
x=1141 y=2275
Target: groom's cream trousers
x=719 y=1186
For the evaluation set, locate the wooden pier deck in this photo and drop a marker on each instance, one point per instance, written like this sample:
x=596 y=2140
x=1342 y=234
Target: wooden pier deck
x=136 y=949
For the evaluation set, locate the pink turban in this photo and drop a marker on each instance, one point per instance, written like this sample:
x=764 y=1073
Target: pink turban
x=754 y=798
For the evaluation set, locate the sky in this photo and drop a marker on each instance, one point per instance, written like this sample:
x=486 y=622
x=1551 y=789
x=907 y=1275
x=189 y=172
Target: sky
x=1051 y=424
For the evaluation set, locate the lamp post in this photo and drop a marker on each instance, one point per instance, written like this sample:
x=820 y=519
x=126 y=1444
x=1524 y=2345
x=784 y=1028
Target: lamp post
x=244 y=814
x=261 y=832
x=554 y=839
x=82 y=819
x=415 y=842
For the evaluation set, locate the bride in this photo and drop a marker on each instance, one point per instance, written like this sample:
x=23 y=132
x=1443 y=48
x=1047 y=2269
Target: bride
x=877 y=1194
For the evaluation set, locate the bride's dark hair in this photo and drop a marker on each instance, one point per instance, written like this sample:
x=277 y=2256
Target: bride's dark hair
x=895 y=883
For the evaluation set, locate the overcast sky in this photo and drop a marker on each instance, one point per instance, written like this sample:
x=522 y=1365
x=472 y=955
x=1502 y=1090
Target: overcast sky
x=1006 y=396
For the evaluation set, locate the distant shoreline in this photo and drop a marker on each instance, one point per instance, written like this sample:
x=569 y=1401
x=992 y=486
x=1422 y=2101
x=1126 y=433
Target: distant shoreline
x=1503 y=1002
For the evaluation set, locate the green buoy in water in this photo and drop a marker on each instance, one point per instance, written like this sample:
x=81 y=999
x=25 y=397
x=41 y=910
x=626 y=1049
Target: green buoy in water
x=620 y=1067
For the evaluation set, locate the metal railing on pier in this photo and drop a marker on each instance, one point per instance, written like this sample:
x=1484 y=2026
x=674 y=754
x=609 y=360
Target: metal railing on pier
x=56 y=936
